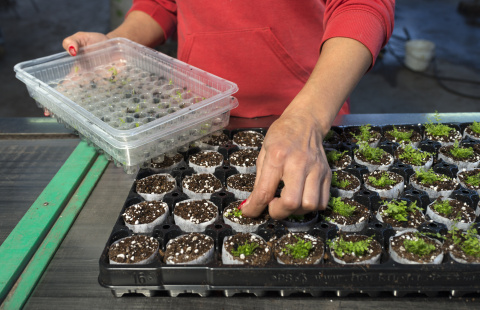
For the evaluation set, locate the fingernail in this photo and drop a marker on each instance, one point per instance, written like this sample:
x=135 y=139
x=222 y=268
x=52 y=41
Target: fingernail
x=72 y=50
x=241 y=205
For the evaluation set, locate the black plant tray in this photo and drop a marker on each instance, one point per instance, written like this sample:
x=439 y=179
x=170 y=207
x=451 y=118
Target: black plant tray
x=328 y=277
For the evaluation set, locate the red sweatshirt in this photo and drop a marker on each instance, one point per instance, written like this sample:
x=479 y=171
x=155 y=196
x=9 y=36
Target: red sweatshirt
x=268 y=47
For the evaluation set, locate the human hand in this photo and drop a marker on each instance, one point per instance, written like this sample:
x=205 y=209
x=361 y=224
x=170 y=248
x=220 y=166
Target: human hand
x=80 y=39
x=292 y=152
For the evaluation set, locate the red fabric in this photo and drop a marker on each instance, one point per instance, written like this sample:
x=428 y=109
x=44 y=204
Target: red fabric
x=268 y=47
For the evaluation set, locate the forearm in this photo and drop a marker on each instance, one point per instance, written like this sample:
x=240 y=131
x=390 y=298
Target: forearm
x=141 y=28
x=341 y=65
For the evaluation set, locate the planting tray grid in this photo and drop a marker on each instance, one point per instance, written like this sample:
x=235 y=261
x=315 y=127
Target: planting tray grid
x=327 y=278
x=131 y=102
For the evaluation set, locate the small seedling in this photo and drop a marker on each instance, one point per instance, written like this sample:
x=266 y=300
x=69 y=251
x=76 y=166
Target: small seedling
x=339 y=184
x=299 y=250
x=399 y=209
x=468 y=242
x=418 y=246
x=430 y=177
x=340 y=207
x=473 y=180
x=475 y=127
x=357 y=248
x=246 y=249
x=334 y=155
x=365 y=133
x=437 y=130
x=371 y=153
x=413 y=155
x=235 y=212
x=443 y=207
x=461 y=152
x=401 y=135
x=297 y=217
x=382 y=181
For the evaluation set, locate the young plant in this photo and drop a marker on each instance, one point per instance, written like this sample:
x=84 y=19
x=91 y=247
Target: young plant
x=339 y=184
x=365 y=133
x=475 y=127
x=473 y=180
x=430 y=177
x=418 y=246
x=300 y=249
x=342 y=247
x=235 y=212
x=399 y=209
x=297 y=217
x=443 y=207
x=382 y=181
x=340 y=207
x=437 y=130
x=468 y=242
x=413 y=156
x=333 y=156
x=371 y=153
x=246 y=249
x=461 y=152
x=401 y=136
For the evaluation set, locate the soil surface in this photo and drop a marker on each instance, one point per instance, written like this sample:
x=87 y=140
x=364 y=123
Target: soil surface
x=416 y=137
x=446 y=151
x=460 y=211
x=242 y=181
x=441 y=185
x=377 y=174
x=462 y=176
x=144 y=212
x=202 y=183
x=399 y=151
x=133 y=249
x=453 y=135
x=360 y=214
x=244 y=158
x=248 y=139
x=373 y=250
x=196 y=211
x=414 y=219
x=189 y=247
x=206 y=159
x=168 y=161
x=354 y=182
x=342 y=163
x=384 y=160
x=155 y=184
x=242 y=220
x=375 y=135
x=217 y=139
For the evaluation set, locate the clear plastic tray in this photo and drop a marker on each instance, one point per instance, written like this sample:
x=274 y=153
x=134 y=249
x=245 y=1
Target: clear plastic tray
x=130 y=101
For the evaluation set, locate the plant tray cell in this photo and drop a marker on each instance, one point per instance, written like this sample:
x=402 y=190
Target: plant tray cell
x=129 y=101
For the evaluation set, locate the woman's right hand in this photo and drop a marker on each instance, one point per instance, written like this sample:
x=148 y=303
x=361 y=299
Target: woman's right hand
x=80 y=39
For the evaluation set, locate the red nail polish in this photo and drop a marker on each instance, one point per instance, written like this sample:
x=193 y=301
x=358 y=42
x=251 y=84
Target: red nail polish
x=72 y=50
x=241 y=205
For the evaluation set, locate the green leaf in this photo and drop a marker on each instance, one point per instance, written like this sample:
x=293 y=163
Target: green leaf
x=340 y=207
x=300 y=249
x=246 y=249
x=418 y=246
x=382 y=181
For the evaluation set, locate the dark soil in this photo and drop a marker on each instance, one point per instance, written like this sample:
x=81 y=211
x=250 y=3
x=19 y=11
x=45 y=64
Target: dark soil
x=144 y=212
x=374 y=249
x=360 y=214
x=462 y=176
x=316 y=252
x=378 y=174
x=414 y=219
x=342 y=163
x=244 y=158
x=260 y=256
x=188 y=247
x=155 y=184
x=196 y=211
x=242 y=181
x=332 y=139
x=397 y=246
x=202 y=183
x=248 y=139
x=167 y=162
x=206 y=159
x=242 y=220
x=133 y=249
x=460 y=211
x=456 y=249
x=217 y=139
x=375 y=135
x=343 y=175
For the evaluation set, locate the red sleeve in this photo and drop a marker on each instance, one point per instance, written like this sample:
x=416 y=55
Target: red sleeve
x=164 y=12
x=367 y=21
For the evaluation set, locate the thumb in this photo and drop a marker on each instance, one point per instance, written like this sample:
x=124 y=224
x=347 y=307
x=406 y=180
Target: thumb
x=71 y=45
